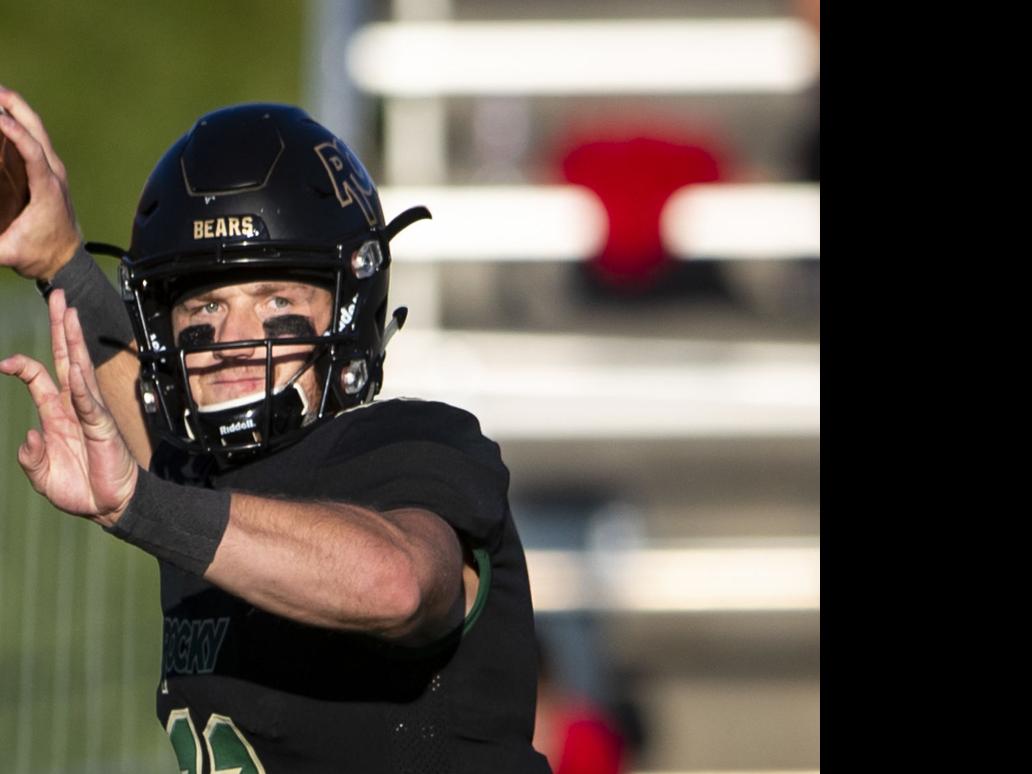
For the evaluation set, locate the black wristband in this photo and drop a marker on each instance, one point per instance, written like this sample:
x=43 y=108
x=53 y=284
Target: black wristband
x=105 y=323
x=181 y=525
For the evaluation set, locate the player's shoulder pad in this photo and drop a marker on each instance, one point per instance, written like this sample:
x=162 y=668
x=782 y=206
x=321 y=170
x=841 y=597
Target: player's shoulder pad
x=426 y=454
x=407 y=420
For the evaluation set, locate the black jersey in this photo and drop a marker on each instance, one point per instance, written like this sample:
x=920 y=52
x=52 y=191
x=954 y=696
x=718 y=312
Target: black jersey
x=244 y=688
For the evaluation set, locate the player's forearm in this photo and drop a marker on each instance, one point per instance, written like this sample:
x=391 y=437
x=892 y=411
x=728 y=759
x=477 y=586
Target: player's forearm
x=334 y=565
x=397 y=575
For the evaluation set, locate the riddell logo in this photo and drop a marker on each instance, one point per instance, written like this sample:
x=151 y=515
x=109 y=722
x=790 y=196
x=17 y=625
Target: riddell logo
x=236 y=427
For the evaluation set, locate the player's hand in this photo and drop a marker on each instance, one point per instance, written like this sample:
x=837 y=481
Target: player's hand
x=44 y=236
x=77 y=459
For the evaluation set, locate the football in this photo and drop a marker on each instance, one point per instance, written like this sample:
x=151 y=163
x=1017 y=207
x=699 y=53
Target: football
x=14 y=184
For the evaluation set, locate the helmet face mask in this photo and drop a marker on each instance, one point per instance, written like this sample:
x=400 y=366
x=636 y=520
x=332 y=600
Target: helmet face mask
x=290 y=204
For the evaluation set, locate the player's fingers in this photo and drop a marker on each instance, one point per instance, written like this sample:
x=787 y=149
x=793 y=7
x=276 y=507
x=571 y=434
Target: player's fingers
x=79 y=354
x=16 y=105
x=97 y=423
x=57 y=307
x=34 y=374
x=36 y=165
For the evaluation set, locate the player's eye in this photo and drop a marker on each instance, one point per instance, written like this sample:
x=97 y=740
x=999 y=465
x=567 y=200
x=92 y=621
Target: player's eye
x=279 y=302
x=206 y=307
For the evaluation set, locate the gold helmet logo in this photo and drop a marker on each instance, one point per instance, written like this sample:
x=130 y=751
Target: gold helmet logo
x=348 y=185
x=248 y=226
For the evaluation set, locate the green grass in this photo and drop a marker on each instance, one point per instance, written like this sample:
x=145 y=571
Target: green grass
x=80 y=620
x=118 y=82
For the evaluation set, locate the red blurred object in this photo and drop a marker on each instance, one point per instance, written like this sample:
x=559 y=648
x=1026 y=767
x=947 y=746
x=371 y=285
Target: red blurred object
x=14 y=183
x=590 y=746
x=634 y=178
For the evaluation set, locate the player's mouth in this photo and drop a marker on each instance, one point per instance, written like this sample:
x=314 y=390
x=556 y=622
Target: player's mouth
x=228 y=389
x=221 y=383
x=239 y=380
x=225 y=384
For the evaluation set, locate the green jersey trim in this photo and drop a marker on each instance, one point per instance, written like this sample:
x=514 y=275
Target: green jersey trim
x=484 y=572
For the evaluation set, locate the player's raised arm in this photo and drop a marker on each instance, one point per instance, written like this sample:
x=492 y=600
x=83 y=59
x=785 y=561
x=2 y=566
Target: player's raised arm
x=43 y=243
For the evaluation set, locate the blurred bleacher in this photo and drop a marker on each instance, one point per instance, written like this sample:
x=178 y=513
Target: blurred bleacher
x=661 y=420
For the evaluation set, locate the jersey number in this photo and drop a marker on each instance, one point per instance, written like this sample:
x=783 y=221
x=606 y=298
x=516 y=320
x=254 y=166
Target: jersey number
x=228 y=750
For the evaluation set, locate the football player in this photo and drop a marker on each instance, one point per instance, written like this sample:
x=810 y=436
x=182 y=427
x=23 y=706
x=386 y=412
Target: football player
x=342 y=585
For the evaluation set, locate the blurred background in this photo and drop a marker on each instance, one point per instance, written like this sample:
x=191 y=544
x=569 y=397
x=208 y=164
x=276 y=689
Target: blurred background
x=622 y=280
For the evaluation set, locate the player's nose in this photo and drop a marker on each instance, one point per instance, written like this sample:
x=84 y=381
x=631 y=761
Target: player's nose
x=239 y=325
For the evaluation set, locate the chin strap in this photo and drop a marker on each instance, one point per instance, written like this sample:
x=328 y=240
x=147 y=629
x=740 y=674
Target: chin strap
x=103 y=248
x=396 y=323
x=406 y=219
x=241 y=426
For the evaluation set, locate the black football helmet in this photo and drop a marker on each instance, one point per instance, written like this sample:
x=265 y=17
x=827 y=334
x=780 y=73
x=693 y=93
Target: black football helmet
x=252 y=192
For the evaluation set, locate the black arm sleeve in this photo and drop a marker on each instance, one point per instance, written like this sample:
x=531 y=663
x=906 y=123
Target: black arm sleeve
x=105 y=323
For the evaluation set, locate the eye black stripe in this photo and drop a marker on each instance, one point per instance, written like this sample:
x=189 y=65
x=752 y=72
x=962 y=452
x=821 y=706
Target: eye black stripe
x=197 y=335
x=288 y=325
x=275 y=327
